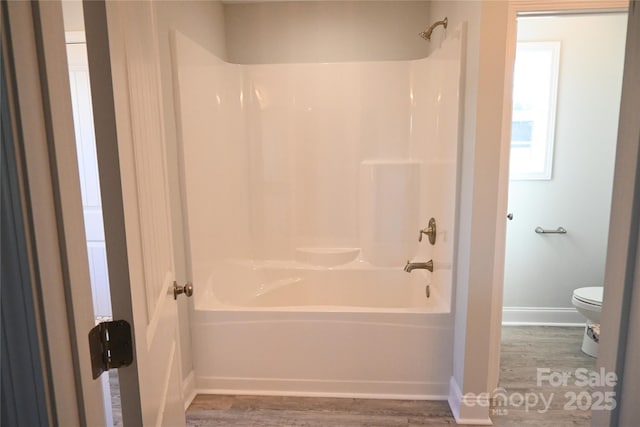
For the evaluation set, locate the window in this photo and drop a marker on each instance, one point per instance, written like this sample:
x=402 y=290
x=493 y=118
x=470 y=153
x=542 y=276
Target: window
x=535 y=87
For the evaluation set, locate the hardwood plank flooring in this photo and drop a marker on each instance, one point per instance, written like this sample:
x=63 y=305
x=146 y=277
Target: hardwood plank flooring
x=116 y=407
x=524 y=349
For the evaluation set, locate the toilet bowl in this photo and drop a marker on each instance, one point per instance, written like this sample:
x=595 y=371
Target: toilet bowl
x=588 y=302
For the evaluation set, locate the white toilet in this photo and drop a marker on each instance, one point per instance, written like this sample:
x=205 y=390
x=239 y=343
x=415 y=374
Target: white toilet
x=588 y=302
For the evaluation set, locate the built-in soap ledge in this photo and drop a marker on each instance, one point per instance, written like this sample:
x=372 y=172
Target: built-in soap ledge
x=326 y=257
x=391 y=162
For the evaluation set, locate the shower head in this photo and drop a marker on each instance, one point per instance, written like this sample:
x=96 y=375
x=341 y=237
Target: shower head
x=427 y=34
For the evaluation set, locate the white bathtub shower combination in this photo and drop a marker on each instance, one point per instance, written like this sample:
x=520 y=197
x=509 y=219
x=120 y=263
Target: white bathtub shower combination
x=306 y=186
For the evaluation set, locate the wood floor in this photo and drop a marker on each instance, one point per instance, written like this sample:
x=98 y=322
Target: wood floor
x=116 y=407
x=524 y=349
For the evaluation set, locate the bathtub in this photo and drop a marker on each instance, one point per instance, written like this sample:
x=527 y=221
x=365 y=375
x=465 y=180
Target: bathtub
x=290 y=328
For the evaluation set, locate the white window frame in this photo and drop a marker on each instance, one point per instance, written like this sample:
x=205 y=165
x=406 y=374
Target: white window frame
x=523 y=165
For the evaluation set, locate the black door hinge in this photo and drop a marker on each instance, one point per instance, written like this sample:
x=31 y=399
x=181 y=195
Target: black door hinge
x=111 y=346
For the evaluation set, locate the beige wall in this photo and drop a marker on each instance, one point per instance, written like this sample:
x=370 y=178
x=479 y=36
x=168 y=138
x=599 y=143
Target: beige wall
x=204 y=23
x=325 y=31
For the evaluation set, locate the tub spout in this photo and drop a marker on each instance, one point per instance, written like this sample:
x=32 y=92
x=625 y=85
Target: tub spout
x=423 y=265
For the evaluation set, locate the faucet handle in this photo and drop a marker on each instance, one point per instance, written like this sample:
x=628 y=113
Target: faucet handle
x=430 y=231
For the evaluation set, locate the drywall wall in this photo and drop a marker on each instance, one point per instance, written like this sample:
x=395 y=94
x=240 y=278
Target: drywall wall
x=203 y=22
x=478 y=233
x=325 y=31
x=541 y=271
x=458 y=13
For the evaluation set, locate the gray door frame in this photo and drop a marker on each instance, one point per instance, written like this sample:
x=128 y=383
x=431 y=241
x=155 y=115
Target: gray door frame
x=25 y=389
x=619 y=349
x=33 y=48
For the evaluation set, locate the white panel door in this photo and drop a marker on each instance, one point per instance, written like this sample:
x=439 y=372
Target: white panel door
x=89 y=181
x=125 y=80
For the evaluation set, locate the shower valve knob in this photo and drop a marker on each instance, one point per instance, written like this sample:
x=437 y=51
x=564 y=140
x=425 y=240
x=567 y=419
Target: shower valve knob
x=186 y=289
x=430 y=231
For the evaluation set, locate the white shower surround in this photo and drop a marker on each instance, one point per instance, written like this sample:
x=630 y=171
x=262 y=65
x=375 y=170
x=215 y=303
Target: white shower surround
x=305 y=188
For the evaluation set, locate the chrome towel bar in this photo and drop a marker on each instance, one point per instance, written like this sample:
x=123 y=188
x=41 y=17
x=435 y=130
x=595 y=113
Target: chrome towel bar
x=559 y=230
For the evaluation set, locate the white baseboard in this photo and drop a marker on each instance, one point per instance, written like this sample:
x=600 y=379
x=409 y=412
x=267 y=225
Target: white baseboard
x=321 y=388
x=550 y=316
x=467 y=410
x=189 y=389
